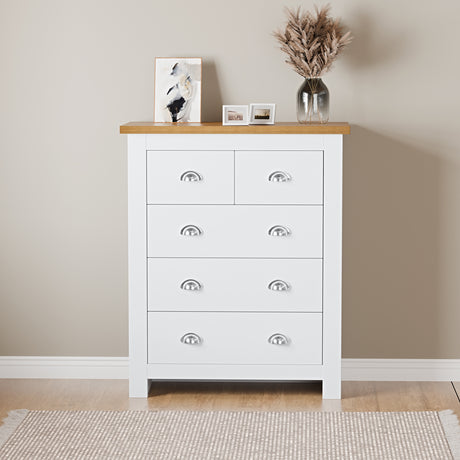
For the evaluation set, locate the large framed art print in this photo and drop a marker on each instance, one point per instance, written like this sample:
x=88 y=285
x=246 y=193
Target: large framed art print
x=177 y=90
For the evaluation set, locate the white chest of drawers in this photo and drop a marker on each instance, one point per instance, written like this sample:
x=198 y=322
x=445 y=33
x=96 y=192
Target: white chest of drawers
x=235 y=239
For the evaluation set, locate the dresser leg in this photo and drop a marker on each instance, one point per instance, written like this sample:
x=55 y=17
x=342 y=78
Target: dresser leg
x=138 y=387
x=332 y=389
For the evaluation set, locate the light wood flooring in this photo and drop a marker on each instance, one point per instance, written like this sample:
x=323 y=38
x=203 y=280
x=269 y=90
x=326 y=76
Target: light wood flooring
x=113 y=395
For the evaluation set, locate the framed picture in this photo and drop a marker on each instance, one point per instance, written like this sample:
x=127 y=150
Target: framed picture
x=177 y=90
x=262 y=114
x=235 y=115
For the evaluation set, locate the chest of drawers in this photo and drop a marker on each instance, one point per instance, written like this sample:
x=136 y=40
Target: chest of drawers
x=235 y=253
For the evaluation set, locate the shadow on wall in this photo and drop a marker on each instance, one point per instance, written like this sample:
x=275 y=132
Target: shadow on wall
x=211 y=98
x=390 y=248
x=372 y=45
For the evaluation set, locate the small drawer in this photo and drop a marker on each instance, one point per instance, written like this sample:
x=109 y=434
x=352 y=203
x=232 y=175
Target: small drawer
x=190 y=177
x=235 y=338
x=279 y=177
x=235 y=231
x=281 y=285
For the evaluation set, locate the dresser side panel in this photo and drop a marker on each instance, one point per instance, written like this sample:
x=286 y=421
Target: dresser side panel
x=137 y=263
x=332 y=263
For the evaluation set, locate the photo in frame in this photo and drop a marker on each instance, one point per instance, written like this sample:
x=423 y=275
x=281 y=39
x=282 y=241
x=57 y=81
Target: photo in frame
x=177 y=90
x=262 y=114
x=235 y=115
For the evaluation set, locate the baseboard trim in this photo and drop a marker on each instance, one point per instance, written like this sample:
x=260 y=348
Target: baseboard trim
x=65 y=367
x=401 y=370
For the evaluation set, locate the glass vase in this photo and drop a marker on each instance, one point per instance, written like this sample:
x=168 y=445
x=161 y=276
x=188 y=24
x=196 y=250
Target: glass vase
x=313 y=102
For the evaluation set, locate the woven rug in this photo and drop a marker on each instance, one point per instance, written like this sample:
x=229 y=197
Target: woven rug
x=229 y=435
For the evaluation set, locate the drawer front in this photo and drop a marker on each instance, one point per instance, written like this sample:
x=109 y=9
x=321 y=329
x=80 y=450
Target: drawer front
x=234 y=338
x=235 y=231
x=279 y=177
x=235 y=284
x=188 y=177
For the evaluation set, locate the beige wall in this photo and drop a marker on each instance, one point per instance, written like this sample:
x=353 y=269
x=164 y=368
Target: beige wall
x=71 y=72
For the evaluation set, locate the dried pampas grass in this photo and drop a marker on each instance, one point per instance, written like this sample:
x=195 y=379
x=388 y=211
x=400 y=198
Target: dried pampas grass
x=312 y=42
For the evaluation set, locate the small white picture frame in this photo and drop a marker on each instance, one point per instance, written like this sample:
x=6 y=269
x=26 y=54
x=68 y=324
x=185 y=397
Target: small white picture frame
x=235 y=115
x=262 y=114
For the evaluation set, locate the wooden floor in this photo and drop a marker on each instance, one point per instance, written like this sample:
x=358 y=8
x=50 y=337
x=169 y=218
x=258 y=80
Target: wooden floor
x=112 y=395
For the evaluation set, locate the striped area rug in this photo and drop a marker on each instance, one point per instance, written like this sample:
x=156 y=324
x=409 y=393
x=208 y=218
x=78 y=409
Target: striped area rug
x=229 y=435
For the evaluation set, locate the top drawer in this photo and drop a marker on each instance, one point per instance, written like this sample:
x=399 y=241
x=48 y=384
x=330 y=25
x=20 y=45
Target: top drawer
x=190 y=177
x=279 y=177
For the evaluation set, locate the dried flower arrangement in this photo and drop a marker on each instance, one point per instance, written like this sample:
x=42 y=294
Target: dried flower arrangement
x=311 y=42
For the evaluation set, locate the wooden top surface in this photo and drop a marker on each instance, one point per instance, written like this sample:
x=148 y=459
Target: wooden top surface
x=147 y=127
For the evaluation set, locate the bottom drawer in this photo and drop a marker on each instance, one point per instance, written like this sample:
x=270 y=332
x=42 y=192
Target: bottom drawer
x=235 y=338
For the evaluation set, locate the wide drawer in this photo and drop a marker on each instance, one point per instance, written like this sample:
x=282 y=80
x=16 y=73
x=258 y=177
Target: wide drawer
x=235 y=338
x=187 y=177
x=279 y=177
x=235 y=284
x=235 y=231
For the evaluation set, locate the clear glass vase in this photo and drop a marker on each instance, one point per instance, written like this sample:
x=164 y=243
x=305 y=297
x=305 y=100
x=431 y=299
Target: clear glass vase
x=313 y=102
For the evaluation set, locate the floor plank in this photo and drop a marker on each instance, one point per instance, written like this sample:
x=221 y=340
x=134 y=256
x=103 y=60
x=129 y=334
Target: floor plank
x=414 y=396
x=457 y=389
x=113 y=395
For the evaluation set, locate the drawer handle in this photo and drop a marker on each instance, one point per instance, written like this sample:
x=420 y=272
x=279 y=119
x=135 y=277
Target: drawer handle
x=278 y=339
x=279 y=176
x=191 y=285
x=191 y=339
x=191 y=230
x=279 y=230
x=191 y=176
x=279 y=285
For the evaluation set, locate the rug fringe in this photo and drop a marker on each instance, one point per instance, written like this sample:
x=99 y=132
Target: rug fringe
x=451 y=427
x=10 y=423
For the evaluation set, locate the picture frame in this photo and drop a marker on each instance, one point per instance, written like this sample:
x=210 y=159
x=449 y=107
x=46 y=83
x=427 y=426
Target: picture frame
x=177 y=85
x=235 y=115
x=262 y=114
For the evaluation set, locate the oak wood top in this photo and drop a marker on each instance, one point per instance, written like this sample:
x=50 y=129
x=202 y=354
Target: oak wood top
x=147 y=127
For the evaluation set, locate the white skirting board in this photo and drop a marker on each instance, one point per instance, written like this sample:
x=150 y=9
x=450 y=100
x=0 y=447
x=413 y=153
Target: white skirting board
x=401 y=370
x=65 y=367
